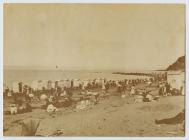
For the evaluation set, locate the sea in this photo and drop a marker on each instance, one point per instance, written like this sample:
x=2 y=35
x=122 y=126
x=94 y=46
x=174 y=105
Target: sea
x=27 y=76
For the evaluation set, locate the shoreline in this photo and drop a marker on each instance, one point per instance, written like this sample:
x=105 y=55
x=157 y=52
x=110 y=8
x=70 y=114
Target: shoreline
x=133 y=73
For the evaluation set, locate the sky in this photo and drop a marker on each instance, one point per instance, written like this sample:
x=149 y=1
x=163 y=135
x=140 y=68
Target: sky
x=94 y=36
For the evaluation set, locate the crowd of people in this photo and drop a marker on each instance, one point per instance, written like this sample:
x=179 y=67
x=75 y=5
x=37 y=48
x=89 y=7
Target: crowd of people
x=58 y=94
x=64 y=93
x=83 y=94
x=165 y=89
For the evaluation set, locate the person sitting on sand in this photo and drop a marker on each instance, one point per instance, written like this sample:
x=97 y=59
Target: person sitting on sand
x=13 y=108
x=9 y=93
x=178 y=119
x=139 y=98
x=149 y=83
x=24 y=108
x=144 y=97
x=149 y=97
x=51 y=99
x=51 y=108
x=64 y=94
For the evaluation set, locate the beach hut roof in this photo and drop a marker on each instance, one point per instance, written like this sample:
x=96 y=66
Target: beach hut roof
x=174 y=72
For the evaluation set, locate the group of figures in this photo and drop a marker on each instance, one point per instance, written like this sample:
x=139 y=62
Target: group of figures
x=81 y=97
x=83 y=93
x=58 y=94
x=165 y=89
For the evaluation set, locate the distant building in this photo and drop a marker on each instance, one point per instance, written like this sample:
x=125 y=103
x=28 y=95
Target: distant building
x=176 y=79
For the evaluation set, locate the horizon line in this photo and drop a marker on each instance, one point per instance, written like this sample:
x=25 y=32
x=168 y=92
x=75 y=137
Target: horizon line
x=72 y=68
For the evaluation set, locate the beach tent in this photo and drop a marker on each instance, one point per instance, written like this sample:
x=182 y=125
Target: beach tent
x=40 y=85
x=85 y=83
x=53 y=84
x=68 y=83
x=4 y=87
x=176 y=80
x=91 y=81
x=56 y=83
x=49 y=84
x=44 y=84
x=76 y=82
x=65 y=83
x=98 y=81
x=103 y=81
x=15 y=87
x=34 y=85
x=61 y=83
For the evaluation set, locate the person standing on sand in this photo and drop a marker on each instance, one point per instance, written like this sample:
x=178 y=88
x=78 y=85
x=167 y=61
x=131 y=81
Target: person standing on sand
x=132 y=92
x=167 y=88
x=160 y=89
x=124 y=88
x=64 y=93
x=164 y=89
x=106 y=87
x=103 y=87
x=6 y=92
x=119 y=88
x=83 y=87
x=20 y=86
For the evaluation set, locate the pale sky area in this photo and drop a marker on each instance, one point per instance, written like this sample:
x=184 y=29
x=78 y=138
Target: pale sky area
x=131 y=37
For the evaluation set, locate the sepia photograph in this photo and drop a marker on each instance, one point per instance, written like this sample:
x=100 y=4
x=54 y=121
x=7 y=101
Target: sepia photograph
x=94 y=70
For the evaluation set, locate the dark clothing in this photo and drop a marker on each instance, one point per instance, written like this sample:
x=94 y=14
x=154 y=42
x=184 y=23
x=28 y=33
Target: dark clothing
x=179 y=118
x=106 y=87
x=20 y=87
x=146 y=100
x=167 y=88
x=160 y=91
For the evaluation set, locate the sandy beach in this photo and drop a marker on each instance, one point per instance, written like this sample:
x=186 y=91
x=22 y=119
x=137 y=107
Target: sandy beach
x=114 y=116
x=94 y=69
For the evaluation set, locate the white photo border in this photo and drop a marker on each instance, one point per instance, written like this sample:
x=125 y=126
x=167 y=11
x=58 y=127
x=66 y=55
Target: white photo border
x=97 y=1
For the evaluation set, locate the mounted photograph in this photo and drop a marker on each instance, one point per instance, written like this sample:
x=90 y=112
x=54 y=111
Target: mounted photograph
x=94 y=70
